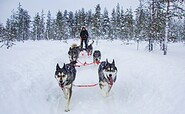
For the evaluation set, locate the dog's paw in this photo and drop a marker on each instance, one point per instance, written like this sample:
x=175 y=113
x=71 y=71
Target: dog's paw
x=101 y=86
x=67 y=110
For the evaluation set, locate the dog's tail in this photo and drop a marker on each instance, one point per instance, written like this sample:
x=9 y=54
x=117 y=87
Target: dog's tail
x=92 y=42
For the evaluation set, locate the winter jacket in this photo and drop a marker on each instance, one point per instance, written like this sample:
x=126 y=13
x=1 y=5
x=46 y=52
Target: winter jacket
x=84 y=34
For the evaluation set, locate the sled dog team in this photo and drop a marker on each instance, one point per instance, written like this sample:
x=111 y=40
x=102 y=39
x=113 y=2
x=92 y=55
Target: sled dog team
x=65 y=75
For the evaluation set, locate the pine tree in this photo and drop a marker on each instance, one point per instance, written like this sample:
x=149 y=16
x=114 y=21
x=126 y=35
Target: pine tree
x=141 y=22
x=106 y=24
x=82 y=18
x=97 y=21
x=77 y=25
x=22 y=24
x=36 y=30
x=6 y=37
x=159 y=22
x=26 y=26
x=118 y=27
x=49 y=28
x=59 y=26
x=122 y=25
x=129 y=25
x=11 y=29
x=54 y=27
x=18 y=26
x=1 y=32
x=113 y=24
x=66 y=29
x=71 y=24
x=156 y=23
x=176 y=30
x=183 y=30
x=89 y=20
x=42 y=25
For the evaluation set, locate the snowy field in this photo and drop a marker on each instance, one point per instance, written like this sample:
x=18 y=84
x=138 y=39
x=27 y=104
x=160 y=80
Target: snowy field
x=147 y=82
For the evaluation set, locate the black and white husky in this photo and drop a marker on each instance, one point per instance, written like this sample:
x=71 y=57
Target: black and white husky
x=107 y=76
x=90 y=48
x=73 y=52
x=65 y=77
x=96 y=56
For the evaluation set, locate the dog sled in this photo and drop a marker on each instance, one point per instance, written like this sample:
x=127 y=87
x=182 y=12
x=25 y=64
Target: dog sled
x=77 y=51
x=107 y=72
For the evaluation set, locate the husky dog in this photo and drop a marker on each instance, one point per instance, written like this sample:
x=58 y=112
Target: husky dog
x=90 y=49
x=96 y=56
x=107 y=76
x=73 y=52
x=65 y=77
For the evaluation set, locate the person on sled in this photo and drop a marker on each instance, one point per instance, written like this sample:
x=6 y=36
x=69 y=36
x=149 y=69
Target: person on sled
x=84 y=37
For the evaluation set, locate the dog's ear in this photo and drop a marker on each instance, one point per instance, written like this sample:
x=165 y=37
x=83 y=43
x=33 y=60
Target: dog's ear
x=57 y=67
x=64 y=65
x=106 y=61
x=113 y=62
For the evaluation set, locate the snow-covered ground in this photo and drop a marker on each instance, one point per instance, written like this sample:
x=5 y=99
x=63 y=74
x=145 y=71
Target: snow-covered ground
x=147 y=82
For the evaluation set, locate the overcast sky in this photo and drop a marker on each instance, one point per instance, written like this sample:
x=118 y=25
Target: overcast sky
x=34 y=6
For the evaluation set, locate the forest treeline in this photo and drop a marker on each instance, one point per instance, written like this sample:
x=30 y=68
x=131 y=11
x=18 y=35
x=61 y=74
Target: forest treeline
x=151 y=20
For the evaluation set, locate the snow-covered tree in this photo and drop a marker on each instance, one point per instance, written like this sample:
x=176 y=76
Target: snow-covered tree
x=77 y=26
x=174 y=8
x=6 y=37
x=128 y=23
x=42 y=25
x=59 y=26
x=71 y=24
x=97 y=21
x=66 y=29
x=10 y=26
x=183 y=29
x=113 y=24
x=118 y=22
x=82 y=17
x=106 y=24
x=49 y=28
x=155 y=20
x=122 y=25
x=89 y=20
x=142 y=21
x=19 y=24
x=22 y=24
x=36 y=28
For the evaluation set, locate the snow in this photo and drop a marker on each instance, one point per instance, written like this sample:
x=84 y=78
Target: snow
x=147 y=82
